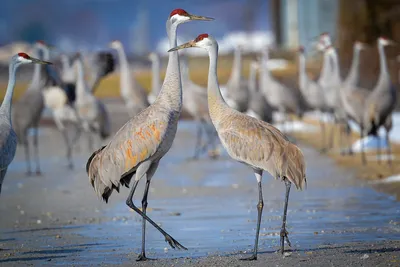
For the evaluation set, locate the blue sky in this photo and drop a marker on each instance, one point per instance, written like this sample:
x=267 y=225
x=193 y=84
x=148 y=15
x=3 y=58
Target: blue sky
x=96 y=22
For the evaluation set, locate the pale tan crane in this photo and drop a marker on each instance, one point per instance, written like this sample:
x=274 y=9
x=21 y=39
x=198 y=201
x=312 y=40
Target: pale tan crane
x=253 y=142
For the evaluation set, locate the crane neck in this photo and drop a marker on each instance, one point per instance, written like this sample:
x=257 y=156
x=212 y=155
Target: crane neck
x=384 y=76
x=335 y=66
x=37 y=70
x=125 y=76
x=184 y=69
x=236 y=67
x=354 y=74
x=326 y=68
x=155 y=81
x=265 y=75
x=216 y=102
x=171 y=91
x=303 y=79
x=252 y=83
x=6 y=105
x=81 y=87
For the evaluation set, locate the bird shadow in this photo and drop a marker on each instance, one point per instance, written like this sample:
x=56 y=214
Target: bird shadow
x=54 y=251
x=44 y=229
x=31 y=259
x=369 y=251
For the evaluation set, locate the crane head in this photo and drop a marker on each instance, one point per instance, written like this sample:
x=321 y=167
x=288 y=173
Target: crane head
x=43 y=44
x=23 y=58
x=204 y=40
x=179 y=16
x=152 y=56
x=384 y=41
x=360 y=45
x=301 y=49
x=116 y=44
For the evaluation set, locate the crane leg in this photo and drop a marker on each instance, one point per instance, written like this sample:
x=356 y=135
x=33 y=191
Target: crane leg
x=284 y=232
x=27 y=156
x=129 y=202
x=69 y=149
x=389 y=149
x=322 y=125
x=348 y=135
x=198 y=148
x=378 y=151
x=260 y=207
x=150 y=173
x=363 y=158
x=36 y=148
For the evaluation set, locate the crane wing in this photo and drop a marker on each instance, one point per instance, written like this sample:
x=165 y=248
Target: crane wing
x=262 y=146
x=138 y=140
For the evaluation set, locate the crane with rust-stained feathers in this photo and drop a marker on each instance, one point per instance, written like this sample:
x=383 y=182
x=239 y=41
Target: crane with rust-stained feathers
x=253 y=142
x=140 y=144
x=8 y=137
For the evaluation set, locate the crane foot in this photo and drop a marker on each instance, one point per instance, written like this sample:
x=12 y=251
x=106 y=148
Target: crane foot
x=284 y=236
x=173 y=243
x=252 y=258
x=142 y=257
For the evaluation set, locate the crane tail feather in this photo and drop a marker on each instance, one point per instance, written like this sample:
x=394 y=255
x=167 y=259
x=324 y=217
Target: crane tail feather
x=294 y=166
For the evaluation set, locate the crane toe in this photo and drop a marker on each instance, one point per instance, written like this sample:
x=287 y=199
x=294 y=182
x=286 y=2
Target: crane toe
x=173 y=243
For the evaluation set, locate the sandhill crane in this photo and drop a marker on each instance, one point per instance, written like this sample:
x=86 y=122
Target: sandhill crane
x=251 y=141
x=381 y=102
x=311 y=91
x=236 y=88
x=280 y=97
x=58 y=100
x=258 y=106
x=133 y=94
x=155 y=77
x=28 y=109
x=353 y=97
x=140 y=144
x=91 y=111
x=8 y=138
x=68 y=76
x=195 y=103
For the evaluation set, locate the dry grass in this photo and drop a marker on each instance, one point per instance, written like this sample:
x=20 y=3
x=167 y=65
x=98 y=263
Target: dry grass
x=109 y=87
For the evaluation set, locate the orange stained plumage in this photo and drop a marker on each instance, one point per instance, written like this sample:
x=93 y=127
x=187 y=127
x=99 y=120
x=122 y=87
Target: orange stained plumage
x=131 y=159
x=155 y=131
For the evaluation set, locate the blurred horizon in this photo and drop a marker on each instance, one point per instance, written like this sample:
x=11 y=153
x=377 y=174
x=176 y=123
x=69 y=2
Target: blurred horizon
x=88 y=25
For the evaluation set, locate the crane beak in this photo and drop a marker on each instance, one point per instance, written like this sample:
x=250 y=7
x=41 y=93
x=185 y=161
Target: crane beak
x=195 y=17
x=38 y=61
x=391 y=42
x=185 y=45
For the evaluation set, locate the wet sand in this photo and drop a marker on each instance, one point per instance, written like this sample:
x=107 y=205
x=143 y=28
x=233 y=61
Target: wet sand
x=207 y=205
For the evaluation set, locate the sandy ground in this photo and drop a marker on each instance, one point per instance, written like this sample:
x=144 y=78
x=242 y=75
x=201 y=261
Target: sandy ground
x=207 y=205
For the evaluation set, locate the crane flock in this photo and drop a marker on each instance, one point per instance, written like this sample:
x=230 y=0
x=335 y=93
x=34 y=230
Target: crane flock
x=240 y=114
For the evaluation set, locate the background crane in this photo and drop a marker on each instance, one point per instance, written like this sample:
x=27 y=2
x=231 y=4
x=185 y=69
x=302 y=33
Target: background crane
x=8 y=138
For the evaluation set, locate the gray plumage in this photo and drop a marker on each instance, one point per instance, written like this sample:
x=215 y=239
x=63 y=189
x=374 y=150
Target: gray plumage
x=251 y=141
x=258 y=106
x=28 y=109
x=143 y=141
x=195 y=103
x=155 y=77
x=8 y=137
x=381 y=102
x=91 y=111
x=236 y=88
x=132 y=93
x=280 y=97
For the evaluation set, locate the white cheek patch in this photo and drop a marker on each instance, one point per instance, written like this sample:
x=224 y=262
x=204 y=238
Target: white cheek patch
x=202 y=43
x=22 y=59
x=179 y=18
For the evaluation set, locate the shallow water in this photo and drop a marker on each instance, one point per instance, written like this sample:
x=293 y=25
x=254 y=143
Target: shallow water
x=209 y=206
x=331 y=210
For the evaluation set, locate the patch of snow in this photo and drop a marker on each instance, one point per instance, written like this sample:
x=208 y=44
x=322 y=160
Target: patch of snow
x=370 y=143
x=390 y=179
x=296 y=126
